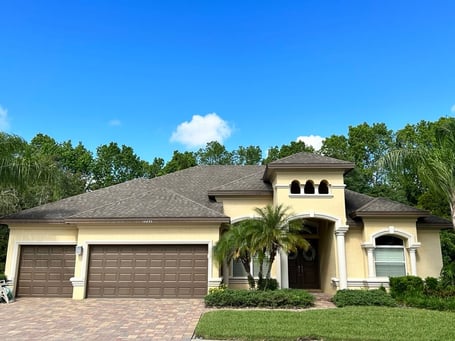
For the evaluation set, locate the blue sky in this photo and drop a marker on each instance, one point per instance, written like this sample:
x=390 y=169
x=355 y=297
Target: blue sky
x=171 y=75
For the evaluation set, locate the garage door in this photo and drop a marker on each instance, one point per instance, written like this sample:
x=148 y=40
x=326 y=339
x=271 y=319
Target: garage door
x=156 y=271
x=45 y=270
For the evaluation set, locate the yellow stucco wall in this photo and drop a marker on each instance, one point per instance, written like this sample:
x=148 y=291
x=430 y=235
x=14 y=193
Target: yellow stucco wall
x=331 y=204
x=243 y=208
x=356 y=259
x=429 y=258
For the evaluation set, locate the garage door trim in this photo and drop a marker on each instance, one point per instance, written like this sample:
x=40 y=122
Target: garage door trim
x=17 y=254
x=15 y=262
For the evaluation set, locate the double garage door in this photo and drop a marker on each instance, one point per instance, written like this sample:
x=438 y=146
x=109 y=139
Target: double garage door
x=155 y=271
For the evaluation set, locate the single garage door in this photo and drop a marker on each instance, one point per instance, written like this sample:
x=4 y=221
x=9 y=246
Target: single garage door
x=45 y=270
x=155 y=271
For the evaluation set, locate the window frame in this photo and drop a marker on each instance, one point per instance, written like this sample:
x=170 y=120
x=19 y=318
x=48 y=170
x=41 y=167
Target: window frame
x=390 y=247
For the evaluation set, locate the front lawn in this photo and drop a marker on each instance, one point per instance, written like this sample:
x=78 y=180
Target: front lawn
x=350 y=323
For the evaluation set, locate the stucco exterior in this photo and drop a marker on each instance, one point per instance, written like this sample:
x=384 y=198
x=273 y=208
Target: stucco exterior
x=194 y=206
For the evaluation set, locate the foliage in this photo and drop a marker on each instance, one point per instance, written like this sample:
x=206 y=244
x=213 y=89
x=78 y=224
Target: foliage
x=116 y=164
x=432 y=162
x=251 y=155
x=272 y=231
x=235 y=244
x=406 y=285
x=285 y=298
x=430 y=293
x=268 y=284
x=276 y=152
x=348 y=324
x=376 y=297
x=214 y=153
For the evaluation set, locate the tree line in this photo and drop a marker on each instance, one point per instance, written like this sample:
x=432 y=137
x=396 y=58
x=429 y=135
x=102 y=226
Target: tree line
x=45 y=170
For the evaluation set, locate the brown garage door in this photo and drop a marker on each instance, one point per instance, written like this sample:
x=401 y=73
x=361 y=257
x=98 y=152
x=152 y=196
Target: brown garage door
x=156 y=271
x=45 y=270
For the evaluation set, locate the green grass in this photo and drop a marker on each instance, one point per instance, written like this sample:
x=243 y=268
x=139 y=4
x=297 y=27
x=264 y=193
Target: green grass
x=351 y=323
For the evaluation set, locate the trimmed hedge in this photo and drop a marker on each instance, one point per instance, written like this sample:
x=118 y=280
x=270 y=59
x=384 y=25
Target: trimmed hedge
x=284 y=298
x=406 y=285
x=350 y=297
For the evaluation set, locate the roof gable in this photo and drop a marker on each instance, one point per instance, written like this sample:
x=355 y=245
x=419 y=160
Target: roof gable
x=304 y=160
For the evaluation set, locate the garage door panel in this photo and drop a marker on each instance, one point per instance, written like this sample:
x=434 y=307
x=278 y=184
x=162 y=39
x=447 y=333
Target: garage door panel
x=147 y=271
x=46 y=270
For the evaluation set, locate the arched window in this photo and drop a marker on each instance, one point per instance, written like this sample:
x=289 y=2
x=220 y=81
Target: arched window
x=323 y=187
x=295 y=187
x=309 y=187
x=389 y=256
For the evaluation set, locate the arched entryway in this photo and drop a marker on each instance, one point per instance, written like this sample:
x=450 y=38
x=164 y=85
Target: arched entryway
x=312 y=269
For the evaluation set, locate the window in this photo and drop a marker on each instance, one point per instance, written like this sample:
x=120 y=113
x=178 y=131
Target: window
x=239 y=271
x=309 y=187
x=323 y=187
x=295 y=187
x=389 y=257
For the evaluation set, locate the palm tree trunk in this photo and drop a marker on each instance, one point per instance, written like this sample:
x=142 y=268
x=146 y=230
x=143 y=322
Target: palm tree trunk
x=270 y=262
x=247 y=268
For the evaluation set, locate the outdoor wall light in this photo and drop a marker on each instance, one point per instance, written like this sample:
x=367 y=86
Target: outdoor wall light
x=79 y=250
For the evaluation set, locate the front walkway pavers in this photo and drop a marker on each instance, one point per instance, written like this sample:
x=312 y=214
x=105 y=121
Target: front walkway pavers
x=100 y=319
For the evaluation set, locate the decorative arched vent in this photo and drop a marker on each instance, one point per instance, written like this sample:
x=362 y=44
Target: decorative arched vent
x=323 y=187
x=295 y=187
x=309 y=187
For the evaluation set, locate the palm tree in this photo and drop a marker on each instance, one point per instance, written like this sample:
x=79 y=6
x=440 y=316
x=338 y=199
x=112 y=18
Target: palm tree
x=17 y=168
x=20 y=171
x=235 y=244
x=272 y=232
x=434 y=163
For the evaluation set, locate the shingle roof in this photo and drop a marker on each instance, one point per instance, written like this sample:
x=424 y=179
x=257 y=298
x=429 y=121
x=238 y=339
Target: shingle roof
x=304 y=160
x=361 y=205
x=189 y=195
x=251 y=184
x=182 y=194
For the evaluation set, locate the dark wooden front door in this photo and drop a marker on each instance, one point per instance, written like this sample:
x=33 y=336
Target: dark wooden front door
x=303 y=267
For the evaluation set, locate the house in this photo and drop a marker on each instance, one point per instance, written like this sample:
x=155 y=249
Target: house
x=154 y=237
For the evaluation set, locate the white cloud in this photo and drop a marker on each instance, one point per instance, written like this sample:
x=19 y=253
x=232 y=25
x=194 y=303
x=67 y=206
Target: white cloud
x=115 y=123
x=312 y=140
x=201 y=130
x=4 y=121
x=453 y=108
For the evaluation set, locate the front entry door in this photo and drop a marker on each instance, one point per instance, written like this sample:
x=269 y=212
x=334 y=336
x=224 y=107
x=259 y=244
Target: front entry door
x=303 y=267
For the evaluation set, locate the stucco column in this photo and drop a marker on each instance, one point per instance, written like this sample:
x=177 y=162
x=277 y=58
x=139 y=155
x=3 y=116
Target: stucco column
x=341 y=254
x=370 y=258
x=412 y=258
x=283 y=264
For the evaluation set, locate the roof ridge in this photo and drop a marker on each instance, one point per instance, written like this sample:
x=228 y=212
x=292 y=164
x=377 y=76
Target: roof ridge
x=237 y=180
x=369 y=203
x=191 y=200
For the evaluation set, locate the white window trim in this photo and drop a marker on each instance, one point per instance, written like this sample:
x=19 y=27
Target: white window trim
x=409 y=243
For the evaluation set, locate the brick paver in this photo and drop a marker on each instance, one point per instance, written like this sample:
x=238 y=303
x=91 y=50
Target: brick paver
x=100 y=319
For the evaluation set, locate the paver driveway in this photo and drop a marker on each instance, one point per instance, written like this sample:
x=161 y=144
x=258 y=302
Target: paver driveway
x=100 y=319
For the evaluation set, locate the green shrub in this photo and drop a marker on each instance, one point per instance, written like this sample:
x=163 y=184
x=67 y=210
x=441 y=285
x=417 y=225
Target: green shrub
x=405 y=286
x=349 y=297
x=267 y=284
x=285 y=298
x=430 y=302
x=431 y=286
x=2 y=277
